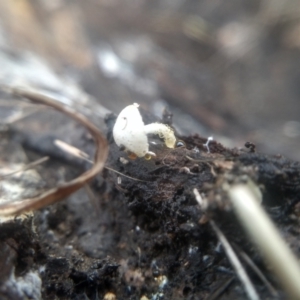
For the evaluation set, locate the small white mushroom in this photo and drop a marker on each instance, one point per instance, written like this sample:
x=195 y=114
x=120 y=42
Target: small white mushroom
x=131 y=132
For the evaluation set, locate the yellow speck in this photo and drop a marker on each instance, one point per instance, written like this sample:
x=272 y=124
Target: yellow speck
x=148 y=156
x=110 y=296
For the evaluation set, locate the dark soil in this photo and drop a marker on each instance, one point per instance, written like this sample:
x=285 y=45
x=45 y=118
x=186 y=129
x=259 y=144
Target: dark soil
x=225 y=68
x=146 y=234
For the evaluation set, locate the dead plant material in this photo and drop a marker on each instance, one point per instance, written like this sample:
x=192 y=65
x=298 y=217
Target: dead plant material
x=26 y=167
x=256 y=270
x=264 y=233
x=63 y=190
x=82 y=155
x=72 y=150
x=241 y=273
x=216 y=294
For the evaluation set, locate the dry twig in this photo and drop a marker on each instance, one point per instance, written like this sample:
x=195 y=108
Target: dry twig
x=258 y=272
x=65 y=189
x=249 y=288
x=26 y=167
x=82 y=155
x=264 y=233
x=220 y=290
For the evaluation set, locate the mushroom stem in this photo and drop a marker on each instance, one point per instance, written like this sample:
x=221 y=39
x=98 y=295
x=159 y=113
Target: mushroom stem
x=164 y=131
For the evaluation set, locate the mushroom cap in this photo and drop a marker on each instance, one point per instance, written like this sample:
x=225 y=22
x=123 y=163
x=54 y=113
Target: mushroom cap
x=129 y=131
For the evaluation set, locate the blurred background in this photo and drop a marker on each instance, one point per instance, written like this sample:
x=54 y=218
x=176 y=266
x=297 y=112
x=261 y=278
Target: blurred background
x=228 y=69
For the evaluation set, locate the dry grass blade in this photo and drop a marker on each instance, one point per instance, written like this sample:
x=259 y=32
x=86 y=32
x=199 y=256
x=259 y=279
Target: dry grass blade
x=124 y=175
x=258 y=272
x=72 y=150
x=216 y=294
x=82 y=155
x=20 y=115
x=65 y=189
x=27 y=167
x=249 y=288
x=267 y=238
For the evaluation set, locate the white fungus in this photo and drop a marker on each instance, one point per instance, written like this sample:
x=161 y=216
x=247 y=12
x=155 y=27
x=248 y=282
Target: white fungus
x=207 y=143
x=131 y=132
